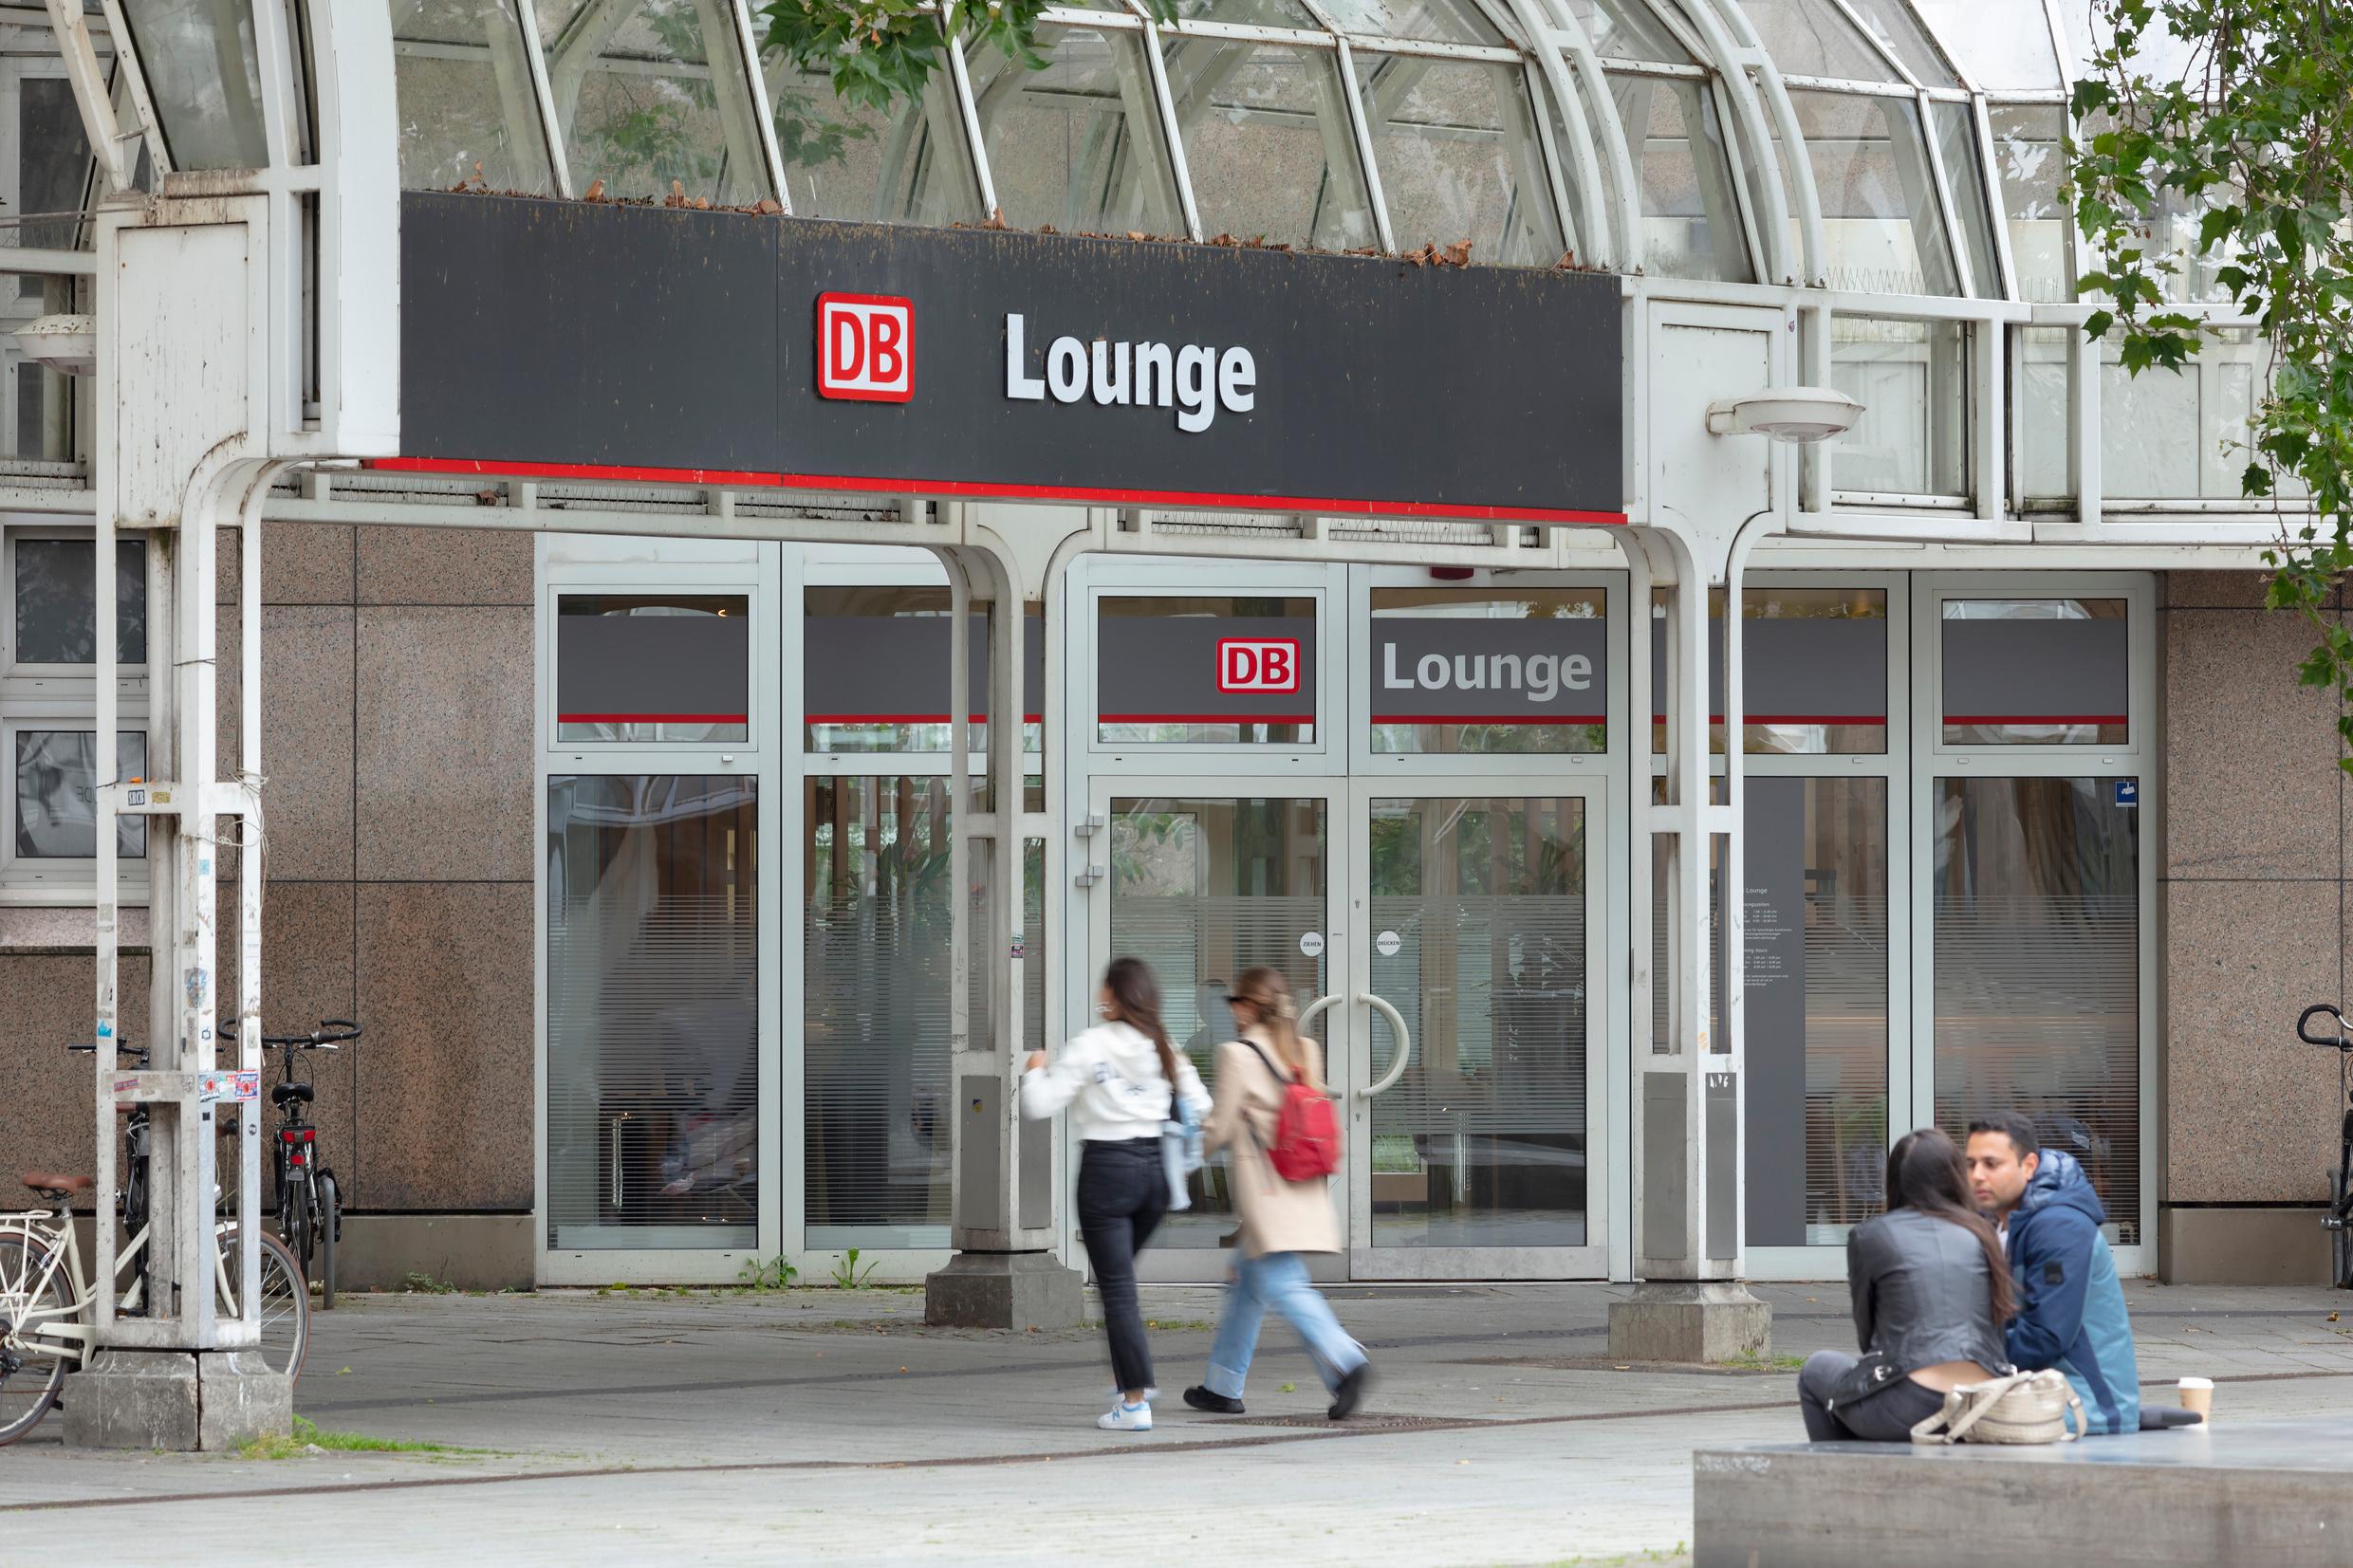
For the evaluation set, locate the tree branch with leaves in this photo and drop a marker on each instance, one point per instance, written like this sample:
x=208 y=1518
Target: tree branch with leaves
x=2252 y=138
x=882 y=52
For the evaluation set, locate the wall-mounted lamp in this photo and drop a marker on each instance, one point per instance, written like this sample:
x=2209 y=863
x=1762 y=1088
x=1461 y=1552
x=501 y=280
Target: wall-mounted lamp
x=66 y=344
x=1798 y=415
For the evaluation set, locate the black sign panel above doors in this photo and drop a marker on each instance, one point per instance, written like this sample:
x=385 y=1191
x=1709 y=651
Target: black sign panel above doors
x=567 y=339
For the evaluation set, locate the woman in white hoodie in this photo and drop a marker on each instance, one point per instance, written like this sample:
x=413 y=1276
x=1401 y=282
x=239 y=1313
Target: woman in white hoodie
x=1119 y=1079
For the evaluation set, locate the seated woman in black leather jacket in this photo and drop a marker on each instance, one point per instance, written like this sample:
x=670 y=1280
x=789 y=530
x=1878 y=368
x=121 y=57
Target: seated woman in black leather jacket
x=1932 y=1292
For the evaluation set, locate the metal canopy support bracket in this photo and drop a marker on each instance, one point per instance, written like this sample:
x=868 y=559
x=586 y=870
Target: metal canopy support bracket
x=1689 y=1306
x=1004 y=1273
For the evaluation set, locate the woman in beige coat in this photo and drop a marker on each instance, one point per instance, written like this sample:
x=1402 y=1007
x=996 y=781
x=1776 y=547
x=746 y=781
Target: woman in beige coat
x=1281 y=1221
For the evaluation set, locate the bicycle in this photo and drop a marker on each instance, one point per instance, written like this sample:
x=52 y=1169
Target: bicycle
x=311 y=1203
x=2338 y=1222
x=45 y=1291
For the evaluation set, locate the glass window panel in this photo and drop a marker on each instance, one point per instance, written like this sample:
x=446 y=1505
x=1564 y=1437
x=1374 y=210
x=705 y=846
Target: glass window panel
x=2026 y=155
x=652 y=1011
x=1526 y=672
x=56 y=617
x=874 y=945
x=2037 y=956
x=204 y=78
x=845 y=162
x=1481 y=1142
x=1202 y=890
x=1177 y=671
x=2045 y=395
x=647 y=97
x=56 y=798
x=1897 y=31
x=874 y=671
x=1268 y=143
x=2187 y=433
x=1955 y=125
x=652 y=667
x=1881 y=226
x=2035 y=672
x=1250 y=13
x=1628 y=30
x=1814 y=981
x=1813 y=38
x=1459 y=160
x=1079 y=145
x=1912 y=379
x=53 y=170
x=2003 y=45
x=468 y=109
x=1691 y=218
x=1433 y=21
x=1813 y=671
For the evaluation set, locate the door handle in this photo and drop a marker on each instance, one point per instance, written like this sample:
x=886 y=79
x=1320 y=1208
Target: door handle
x=1313 y=1008
x=1404 y=1051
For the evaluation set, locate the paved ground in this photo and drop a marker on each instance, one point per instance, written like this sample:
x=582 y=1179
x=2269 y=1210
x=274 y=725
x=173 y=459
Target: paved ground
x=827 y=1427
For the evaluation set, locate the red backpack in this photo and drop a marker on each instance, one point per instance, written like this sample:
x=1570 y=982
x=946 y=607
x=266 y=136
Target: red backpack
x=1307 y=1130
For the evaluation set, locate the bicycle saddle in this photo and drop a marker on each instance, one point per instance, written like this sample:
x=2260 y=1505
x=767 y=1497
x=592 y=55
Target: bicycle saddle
x=51 y=1181
x=287 y=1094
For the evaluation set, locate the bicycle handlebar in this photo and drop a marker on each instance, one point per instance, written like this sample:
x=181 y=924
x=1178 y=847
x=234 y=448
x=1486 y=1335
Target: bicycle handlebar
x=330 y=1034
x=2341 y=1043
x=139 y=1051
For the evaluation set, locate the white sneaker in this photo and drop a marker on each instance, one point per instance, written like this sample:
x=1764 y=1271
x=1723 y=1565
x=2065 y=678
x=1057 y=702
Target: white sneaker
x=1124 y=1417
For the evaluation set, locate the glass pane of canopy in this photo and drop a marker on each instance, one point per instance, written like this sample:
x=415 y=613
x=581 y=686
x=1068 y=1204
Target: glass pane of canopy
x=1268 y=143
x=1814 y=38
x=1430 y=20
x=1078 y=145
x=1460 y=159
x=650 y=96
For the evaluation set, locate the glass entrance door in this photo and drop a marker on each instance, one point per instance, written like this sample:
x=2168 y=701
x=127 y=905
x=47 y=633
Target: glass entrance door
x=1476 y=923
x=1202 y=886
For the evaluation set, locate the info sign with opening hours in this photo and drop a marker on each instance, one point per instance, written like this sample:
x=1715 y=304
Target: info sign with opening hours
x=1258 y=664
x=865 y=347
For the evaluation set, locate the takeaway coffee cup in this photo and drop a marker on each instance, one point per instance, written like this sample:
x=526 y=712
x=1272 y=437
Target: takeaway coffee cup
x=2197 y=1394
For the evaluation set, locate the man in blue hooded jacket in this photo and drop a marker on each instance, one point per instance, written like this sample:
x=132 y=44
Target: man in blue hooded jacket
x=2070 y=1303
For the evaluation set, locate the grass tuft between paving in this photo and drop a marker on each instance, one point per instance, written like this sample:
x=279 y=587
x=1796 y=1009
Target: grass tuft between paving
x=306 y=1439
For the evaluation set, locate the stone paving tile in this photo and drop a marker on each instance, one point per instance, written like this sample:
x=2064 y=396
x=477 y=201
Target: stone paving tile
x=900 y=1446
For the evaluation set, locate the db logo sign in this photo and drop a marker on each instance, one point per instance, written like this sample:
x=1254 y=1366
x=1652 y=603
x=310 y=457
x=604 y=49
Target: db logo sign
x=865 y=347
x=1258 y=664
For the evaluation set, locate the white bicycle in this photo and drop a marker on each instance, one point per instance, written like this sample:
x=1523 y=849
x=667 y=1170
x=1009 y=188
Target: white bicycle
x=45 y=1289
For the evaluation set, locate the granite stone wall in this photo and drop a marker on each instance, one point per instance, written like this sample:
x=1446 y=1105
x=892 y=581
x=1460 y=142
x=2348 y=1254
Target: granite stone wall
x=397 y=736
x=2252 y=905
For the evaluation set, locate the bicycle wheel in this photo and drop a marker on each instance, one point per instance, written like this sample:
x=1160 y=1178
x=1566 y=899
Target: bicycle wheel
x=30 y=1373
x=330 y=1222
x=295 y=1223
x=286 y=1304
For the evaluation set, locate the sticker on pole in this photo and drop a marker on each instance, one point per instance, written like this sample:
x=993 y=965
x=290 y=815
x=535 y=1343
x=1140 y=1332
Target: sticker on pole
x=213 y=1088
x=1311 y=943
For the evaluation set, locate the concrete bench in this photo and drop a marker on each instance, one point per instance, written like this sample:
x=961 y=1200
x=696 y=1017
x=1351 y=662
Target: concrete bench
x=2277 y=1493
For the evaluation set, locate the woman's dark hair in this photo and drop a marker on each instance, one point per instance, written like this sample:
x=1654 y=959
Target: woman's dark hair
x=1136 y=1002
x=1925 y=1171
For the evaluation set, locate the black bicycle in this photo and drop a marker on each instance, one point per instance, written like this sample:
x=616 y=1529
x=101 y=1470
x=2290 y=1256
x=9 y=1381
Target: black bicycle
x=2339 y=1215
x=310 y=1202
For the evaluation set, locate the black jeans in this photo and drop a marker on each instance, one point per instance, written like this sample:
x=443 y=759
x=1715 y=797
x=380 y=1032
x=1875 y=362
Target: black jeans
x=1122 y=1194
x=1886 y=1415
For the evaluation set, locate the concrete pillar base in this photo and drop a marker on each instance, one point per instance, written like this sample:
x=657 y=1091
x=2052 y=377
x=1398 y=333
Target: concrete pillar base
x=175 y=1400
x=1015 y=1290
x=1716 y=1320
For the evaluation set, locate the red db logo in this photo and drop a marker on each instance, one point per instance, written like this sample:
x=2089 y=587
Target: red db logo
x=1258 y=664
x=865 y=347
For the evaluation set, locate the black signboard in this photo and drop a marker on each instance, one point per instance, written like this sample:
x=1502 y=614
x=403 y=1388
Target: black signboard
x=569 y=338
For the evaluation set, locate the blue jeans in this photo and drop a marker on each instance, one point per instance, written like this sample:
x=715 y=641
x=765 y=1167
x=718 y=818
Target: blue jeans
x=1278 y=1280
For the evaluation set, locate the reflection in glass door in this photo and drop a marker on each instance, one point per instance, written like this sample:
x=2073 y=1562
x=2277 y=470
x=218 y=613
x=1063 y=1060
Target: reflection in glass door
x=1203 y=889
x=1481 y=934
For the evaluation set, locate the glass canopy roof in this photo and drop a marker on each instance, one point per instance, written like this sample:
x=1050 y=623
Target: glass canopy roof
x=1904 y=147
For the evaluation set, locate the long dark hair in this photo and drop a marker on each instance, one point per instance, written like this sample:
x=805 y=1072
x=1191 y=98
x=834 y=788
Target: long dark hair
x=1136 y=1002
x=1925 y=1171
